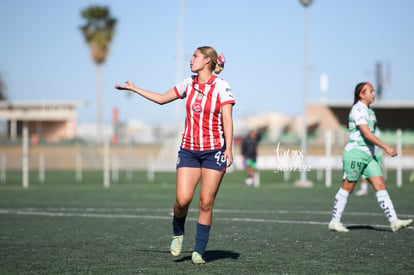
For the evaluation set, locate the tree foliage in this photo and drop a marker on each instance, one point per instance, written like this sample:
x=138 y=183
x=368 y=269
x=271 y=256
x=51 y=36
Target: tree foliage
x=98 y=31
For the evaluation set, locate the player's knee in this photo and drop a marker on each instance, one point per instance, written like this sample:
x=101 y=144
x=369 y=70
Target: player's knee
x=182 y=203
x=206 y=205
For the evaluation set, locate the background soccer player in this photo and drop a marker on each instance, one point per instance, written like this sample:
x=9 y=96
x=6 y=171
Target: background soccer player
x=359 y=158
x=249 y=153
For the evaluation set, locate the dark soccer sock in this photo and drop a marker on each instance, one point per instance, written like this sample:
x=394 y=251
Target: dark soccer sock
x=202 y=235
x=178 y=225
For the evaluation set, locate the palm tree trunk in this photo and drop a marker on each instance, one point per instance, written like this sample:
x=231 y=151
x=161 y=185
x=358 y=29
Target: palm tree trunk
x=99 y=102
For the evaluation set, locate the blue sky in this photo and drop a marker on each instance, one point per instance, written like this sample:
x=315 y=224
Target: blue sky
x=43 y=56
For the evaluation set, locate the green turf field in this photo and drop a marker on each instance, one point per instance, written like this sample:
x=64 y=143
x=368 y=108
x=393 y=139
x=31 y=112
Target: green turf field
x=66 y=227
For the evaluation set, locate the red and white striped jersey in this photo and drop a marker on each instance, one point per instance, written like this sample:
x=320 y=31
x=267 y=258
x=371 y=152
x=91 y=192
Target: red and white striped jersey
x=203 y=129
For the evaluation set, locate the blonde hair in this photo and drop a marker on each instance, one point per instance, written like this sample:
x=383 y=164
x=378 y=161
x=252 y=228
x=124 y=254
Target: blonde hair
x=210 y=52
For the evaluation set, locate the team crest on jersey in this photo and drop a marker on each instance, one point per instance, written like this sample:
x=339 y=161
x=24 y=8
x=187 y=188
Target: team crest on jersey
x=354 y=173
x=196 y=107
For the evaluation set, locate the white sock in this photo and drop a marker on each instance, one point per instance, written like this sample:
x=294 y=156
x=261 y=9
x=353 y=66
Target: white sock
x=364 y=186
x=386 y=205
x=341 y=198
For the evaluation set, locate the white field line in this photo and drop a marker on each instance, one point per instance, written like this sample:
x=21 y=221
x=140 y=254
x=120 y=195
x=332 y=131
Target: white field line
x=168 y=210
x=88 y=215
x=97 y=213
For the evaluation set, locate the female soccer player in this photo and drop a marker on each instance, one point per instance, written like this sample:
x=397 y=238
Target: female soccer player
x=359 y=158
x=249 y=153
x=207 y=143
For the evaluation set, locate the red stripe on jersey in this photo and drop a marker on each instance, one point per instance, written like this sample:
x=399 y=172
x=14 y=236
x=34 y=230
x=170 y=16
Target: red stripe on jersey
x=188 y=130
x=216 y=123
x=206 y=138
x=177 y=93
x=228 y=102
x=196 y=111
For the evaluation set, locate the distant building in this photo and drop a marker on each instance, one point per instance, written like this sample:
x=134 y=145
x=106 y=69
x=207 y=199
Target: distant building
x=48 y=121
x=391 y=115
x=273 y=124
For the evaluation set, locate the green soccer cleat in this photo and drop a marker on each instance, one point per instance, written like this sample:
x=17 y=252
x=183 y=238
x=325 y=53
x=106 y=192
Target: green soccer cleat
x=197 y=259
x=398 y=224
x=337 y=226
x=176 y=245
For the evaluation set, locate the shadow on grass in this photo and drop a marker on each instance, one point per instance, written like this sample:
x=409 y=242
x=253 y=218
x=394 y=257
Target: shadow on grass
x=213 y=255
x=366 y=227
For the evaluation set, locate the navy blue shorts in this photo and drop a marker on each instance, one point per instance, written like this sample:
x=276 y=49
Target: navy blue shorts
x=212 y=159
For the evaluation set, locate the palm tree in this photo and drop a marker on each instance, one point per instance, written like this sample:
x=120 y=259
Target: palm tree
x=98 y=32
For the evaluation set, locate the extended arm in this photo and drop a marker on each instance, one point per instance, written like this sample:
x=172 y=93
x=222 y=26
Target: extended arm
x=158 y=98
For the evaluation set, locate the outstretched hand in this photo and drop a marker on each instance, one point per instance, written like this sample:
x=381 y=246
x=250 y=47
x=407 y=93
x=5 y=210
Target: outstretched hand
x=129 y=86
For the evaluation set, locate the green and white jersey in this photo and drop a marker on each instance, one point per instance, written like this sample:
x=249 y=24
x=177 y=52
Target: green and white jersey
x=378 y=150
x=360 y=114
